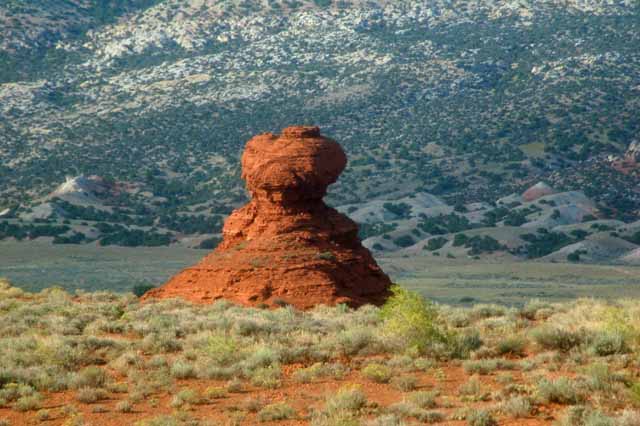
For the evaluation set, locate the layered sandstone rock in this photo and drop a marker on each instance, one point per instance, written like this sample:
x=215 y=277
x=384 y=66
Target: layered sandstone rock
x=286 y=245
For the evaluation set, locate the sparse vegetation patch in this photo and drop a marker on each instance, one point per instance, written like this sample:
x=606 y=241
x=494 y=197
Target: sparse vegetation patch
x=408 y=361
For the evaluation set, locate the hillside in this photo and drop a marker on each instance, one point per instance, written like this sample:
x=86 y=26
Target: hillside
x=466 y=101
x=541 y=223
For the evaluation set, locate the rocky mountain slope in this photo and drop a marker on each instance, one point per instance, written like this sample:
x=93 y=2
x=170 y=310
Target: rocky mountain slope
x=550 y=225
x=466 y=100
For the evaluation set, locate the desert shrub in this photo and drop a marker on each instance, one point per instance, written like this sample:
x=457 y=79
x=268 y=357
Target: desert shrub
x=126 y=362
x=459 y=317
x=261 y=357
x=75 y=419
x=424 y=364
x=163 y=420
x=572 y=416
x=623 y=321
x=341 y=409
x=561 y=391
x=386 y=420
x=246 y=327
x=583 y=416
x=404 y=383
x=69 y=411
x=512 y=390
x=336 y=370
x=124 y=406
x=354 y=341
x=423 y=399
x=182 y=369
x=432 y=417
x=29 y=402
x=487 y=366
x=215 y=392
x=295 y=349
x=634 y=394
x=405 y=410
x=13 y=391
x=307 y=375
x=140 y=392
x=88 y=395
x=275 y=412
x=221 y=349
x=606 y=343
x=487 y=311
x=140 y=289
x=517 y=407
x=598 y=418
x=435 y=243
x=267 y=377
x=89 y=377
x=157 y=361
x=205 y=370
x=482 y=366
x=412 y=319
x=601 y=378
x=349 y=398
x=234 y=385
x=481 y=418
x=472 y=388
x=252 y=404
x=401 y=363
x=160 y=343
x=153 y=381
x=186 y=396
x=512 y=345
x=460 y=346
x=377 y=373
x=317 y=370
x=504 y=378
x=43 y=415
x=558 y=339
x=118 y=387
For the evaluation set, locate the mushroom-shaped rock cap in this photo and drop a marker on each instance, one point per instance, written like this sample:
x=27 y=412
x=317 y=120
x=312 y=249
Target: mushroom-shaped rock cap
x=299 y=162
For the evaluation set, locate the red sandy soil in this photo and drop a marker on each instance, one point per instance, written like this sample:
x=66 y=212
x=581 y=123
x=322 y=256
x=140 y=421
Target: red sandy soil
x=302 y=397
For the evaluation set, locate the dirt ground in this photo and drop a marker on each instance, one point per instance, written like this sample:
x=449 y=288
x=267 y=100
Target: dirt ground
x=303 y=397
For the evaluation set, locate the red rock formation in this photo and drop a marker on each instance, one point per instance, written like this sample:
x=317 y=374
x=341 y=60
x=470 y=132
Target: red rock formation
x=538 y=190
x=286 y=244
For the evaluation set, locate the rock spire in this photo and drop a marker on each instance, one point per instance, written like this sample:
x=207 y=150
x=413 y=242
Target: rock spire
x=286 y=245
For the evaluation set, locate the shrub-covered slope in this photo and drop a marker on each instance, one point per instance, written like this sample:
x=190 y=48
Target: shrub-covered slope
x=466 y=100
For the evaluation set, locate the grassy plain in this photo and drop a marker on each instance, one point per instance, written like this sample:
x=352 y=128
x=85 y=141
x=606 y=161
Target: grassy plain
x=513 y=283
x=34 y=266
